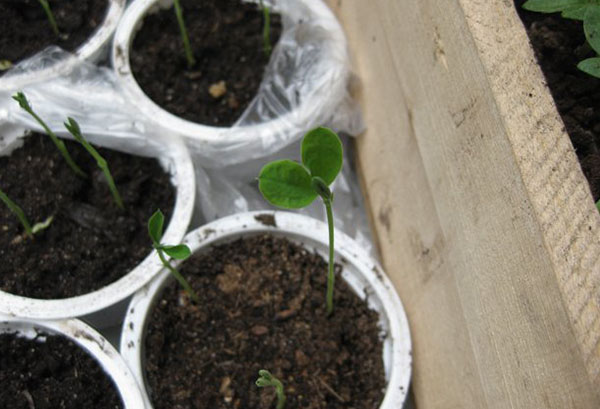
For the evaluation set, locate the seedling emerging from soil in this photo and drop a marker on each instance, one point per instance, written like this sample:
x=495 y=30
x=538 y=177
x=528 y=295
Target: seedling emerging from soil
x=29 y=230
x=266 y=379
x=73 y=127
x=184 y=35
x=266 y=28
x=177 y=252
x=24 y=104
x=587 y=11
x=50 y=16
x=290 y=185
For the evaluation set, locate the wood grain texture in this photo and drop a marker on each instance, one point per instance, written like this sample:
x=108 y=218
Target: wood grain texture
x=482 y=216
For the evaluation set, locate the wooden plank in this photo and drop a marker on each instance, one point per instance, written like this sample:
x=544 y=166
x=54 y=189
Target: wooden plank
x=463 y=216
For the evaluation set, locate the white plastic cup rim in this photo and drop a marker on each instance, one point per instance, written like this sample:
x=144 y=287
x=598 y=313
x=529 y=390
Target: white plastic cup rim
x=93 y=343
x=90 y=50
x=360 y=271
x=210 y=135
x=96 y=301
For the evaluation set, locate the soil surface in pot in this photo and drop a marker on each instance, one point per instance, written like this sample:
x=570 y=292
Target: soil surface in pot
x=52 y=374
x=559 y=45
x=90 y=242
x=26 y=29
x=226 y=39
x=262 y=307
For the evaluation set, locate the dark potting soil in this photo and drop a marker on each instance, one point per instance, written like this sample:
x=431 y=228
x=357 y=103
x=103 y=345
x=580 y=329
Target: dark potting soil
x=90 y=242
x=227 y=43
x=262 y=307
x=559 y=45
x=25 y=29
x=52 y=374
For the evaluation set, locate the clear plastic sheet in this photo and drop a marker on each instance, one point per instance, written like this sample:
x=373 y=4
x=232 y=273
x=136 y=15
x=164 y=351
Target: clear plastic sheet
x=305 y=85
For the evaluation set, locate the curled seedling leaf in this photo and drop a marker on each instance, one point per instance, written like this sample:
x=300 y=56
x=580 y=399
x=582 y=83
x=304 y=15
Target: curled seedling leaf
x=177 y=252
x=73 y=128
x=290 y=185
x=267 y=380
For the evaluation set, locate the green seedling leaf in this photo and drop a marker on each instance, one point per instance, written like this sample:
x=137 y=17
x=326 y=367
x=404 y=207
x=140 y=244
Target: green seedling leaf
x=552 y=6
x=286 y=184
x=16 y=209
x=575 y=13
x=322 y=154
x=60 y=145
x=590 y=66
x=50 y=16
x=38 y=227
x=5 y=65
x=267 y=380
x=155 y=227
x=189 y=56
x=73 y=127
x=178 y=252
x=591 y=26
x=267 y=47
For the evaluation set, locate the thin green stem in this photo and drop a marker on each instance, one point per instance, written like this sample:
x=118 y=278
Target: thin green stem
x=74 y=129
x=182 y=281
x=330 y=275
x=50 y=16
x=184 y=36
x=18 y=212
x=267 y=47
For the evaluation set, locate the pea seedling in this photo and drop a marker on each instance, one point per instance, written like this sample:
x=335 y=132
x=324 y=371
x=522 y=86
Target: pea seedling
x=29 y=230
x=189 y=56
x=73 y=128
x=46 y=7
x=266 y=379
x=177 y=252
x=266 y=28
x=587 y=11
x=24 y=104
x=290 y=185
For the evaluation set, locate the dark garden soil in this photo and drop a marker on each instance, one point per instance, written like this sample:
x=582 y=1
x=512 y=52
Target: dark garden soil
x=90 y=242
x=559 y=45
x=50 y=375
x=26 y=29
x=262 y=307
x=226 y=39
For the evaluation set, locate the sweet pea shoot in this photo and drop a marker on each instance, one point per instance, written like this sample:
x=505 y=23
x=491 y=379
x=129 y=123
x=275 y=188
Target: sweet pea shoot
x=177 y=252
x=266 y=28
x=189 y=56
x=16 y=209
x=291 y=185
x=267 y=380
x=50 y=15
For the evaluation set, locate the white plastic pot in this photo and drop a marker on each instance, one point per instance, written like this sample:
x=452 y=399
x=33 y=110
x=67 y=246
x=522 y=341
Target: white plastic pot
x=243 y=142
x=94 y=48
x=94 y=306
x=92 y=342
x=360 y=271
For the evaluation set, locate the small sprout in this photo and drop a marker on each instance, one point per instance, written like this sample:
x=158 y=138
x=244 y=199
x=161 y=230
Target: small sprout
x=73 y=127
x=267 y=48
x=184 y=35
x=290 y=185
x=24 y=104
x=265 y=380
x=50 y=16
x=584 y=10
x=177 y=252
x=5 y=65
x=29 y=231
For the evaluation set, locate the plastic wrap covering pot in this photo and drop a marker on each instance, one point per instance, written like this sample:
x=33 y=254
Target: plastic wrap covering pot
x=363 y=274
x=93 y=49
x=304 y=85
x=93 y=343
x=105 y=306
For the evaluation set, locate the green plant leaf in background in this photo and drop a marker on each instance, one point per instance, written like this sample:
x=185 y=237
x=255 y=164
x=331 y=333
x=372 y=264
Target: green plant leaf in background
x=286 y=184
x=591 y=26
x=322 y=154
x=178 y=252
x=155 y=226
x=590 y=66
x=553 y=6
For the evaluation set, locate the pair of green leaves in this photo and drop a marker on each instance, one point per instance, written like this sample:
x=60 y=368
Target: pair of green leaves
x=267 y=380
x=155 y=230
x=290 y=185
x=586 y=10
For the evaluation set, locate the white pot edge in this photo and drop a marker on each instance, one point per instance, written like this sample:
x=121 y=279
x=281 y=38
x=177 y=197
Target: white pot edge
x=93 y=343
x=90 y=50
x=210 y=135
x=314 y=233
x=184 y=180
